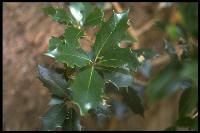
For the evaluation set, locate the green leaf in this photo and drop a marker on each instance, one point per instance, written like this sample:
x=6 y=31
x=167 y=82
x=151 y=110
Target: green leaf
x=86 y=14
x=129 y=97
x=189 y=13
x=173 y=77
x=87 y=89
x=173 y=31
x=165 y=83
x=93 y=18
x=54 y=81
x=110 y=33
x=68 y=50
x=106 y=47
x=128 y=40
x=58 y=14
x=54 y=117
x=119 y=79
x=132 y=99
x=188 y=101
x=49 y=10
x=115 y=59
x=71 y=123
x=54 y=42
x=72 y=36
x=191 y=123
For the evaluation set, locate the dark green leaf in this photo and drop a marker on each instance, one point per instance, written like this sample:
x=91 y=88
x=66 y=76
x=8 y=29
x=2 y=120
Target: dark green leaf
x=58 y=14
x=71 y=123
x=189 y=13
x=173 y=77
x=69 y=51
x=188 y=101
x=190 y=71
x=86 y=14
x=87 y=89
x=115 y=59
x=110 y=34
x=49 y=10
x=132 y=100
x=54 y=42
x=54 y=82
x=191 y=123
x=128 y=38
x=129 y=95
x=54 y=117
x=165 y=83
x=119 y=79
x=72 y=36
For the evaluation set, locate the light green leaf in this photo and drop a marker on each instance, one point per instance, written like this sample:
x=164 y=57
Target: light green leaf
x=54 y=117
x=87 y=89
x=54 y=81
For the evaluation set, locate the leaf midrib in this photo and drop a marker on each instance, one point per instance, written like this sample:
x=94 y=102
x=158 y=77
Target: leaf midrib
x=89 y=83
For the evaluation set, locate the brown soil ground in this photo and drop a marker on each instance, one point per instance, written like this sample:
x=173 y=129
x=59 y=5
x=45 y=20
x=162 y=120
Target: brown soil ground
x=26 y=31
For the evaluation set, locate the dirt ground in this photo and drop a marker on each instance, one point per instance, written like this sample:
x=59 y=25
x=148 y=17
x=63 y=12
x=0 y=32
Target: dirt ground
x=26 y=31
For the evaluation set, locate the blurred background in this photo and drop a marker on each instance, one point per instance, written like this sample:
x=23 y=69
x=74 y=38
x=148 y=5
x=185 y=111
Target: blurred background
x=26 y=32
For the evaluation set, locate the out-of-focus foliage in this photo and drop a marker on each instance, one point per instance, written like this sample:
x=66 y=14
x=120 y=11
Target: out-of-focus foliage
x=189 y=14
x=180 y=74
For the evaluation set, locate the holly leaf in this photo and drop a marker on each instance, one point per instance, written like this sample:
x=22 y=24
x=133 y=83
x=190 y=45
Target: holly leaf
x=128 y=40
x=58 y=14
x=54 y=81
x=132 y=100
x=72 y=36
x=188 y=101
x=86 y=14
x=119 y=79
x=54 y=117
x=87 y=89
x=129 y=97
x=71 y=123
x=106 y=47
x=68 y=50
x=110 y=33
x=115 y=59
